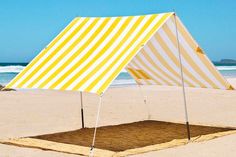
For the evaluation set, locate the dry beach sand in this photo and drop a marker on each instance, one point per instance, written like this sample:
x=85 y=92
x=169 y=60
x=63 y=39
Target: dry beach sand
x=32 y=113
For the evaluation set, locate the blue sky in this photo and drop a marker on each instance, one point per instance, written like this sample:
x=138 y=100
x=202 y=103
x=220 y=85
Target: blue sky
x=27 y=26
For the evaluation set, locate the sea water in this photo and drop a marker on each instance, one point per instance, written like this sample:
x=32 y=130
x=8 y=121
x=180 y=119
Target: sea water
x=9 y=70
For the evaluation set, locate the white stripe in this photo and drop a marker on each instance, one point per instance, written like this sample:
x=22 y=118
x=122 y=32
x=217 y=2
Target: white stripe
x=136 y=61
x=75 y=50
x=81 y=55
x=193 y=55
x=183 y=27
x=96 y=52
x=173 y=49
x=141 y=55
x=77 y=18
x=207 y=59
x=61 y=51
x=113 y=69
x=160 y=50
x=48 y=53
x=146 y=63
x=158 y=63
x=52 y=60
x=84 y=52
x=98 y=73
x=99 y=60
x=132 y=66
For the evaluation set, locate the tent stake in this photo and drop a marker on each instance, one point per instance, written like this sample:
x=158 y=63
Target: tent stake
x=182 y=79
x=82 y=109
x=145 y=101
x=95 y=128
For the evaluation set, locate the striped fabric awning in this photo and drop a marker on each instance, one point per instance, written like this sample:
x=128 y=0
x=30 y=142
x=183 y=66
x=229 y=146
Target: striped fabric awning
x=158 y=61
x=90 y=52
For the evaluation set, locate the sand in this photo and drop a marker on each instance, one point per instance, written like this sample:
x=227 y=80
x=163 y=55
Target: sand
x=32 y=113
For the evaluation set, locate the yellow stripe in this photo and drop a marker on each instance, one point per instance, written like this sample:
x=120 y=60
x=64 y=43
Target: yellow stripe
x=133 y=76
x=184 y=33
x=96 y=81
x=165 y=64
x=98 y=55
x=106 y=59
x=193 y=44
x=159 y=69
x=172 y=37
x=175 y=60
x=138 y=21
x=139 y=72
x=78 y=52
x=42 y=53
x=58 y=59
x=134 y=73
x=144 y=75
x=156 y=81
x=75 y=55
x=140 y=75
x=121 y=66
x=45 y=61
x=149 y=69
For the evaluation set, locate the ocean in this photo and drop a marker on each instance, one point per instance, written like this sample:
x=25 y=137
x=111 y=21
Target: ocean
x=9 y=70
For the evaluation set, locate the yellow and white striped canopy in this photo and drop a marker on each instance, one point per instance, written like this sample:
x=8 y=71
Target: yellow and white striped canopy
x=90 y=52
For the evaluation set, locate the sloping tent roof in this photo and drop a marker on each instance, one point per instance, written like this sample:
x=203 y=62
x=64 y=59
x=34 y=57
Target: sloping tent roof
x=90 y=53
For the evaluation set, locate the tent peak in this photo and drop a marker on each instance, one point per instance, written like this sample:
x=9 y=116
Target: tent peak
x=124 y=15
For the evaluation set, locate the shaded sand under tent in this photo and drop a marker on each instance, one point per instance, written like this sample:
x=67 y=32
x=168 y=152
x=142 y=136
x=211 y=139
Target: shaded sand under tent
x=122 y=140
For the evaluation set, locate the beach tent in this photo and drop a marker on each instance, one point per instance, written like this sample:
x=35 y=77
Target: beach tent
x=91 y=52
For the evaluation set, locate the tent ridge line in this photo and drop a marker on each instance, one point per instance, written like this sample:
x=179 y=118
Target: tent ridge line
x=123 y=15
x=143 y=44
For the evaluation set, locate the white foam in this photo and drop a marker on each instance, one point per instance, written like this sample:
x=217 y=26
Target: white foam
x=226 y=68
x=122 y=82
x=11 y=69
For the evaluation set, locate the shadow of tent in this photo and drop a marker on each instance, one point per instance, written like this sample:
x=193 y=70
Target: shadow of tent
x=130 y=136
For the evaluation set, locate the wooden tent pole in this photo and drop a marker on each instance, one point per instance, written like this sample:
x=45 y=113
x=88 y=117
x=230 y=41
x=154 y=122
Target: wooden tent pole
x=182 y=79
x=82 y=109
